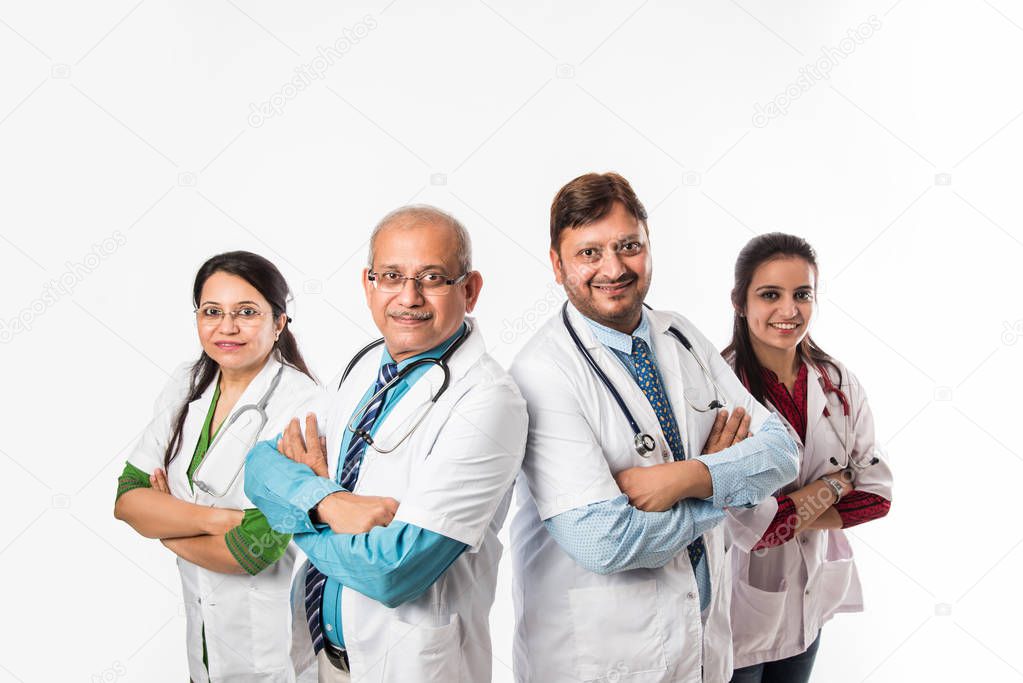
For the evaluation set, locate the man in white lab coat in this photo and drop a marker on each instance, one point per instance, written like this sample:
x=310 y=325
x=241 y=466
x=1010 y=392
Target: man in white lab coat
x=618 y=552
x=426 y=428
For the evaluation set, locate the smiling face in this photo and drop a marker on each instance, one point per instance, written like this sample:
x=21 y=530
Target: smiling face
x=239 y=344
x=413 y=321
x=780 y=304
x=605 y=268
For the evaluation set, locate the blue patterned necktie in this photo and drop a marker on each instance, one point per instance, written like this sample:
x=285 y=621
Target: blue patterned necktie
x=314 y=578
x=649 y=381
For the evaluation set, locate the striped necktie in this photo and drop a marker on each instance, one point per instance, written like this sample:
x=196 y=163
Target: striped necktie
x=649 y=381
x=314 y=578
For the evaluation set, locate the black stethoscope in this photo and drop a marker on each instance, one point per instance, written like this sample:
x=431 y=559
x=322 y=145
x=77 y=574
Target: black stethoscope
x=643 y=442
x=441 y=362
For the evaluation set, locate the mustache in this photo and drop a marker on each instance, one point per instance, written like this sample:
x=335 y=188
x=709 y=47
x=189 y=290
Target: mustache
x=409 y=315
x=623 y=279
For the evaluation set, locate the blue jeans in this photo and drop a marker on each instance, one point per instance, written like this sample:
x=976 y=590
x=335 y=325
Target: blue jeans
x=794 y=669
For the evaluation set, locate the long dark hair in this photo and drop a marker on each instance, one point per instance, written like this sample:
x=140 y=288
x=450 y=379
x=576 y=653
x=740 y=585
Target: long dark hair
x=268 y=281
x=758 y=250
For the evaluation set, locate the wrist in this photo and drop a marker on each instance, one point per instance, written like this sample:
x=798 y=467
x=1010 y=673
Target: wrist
x=834 y=485
x=693 y=480
x=212 y=520
x=328 y=506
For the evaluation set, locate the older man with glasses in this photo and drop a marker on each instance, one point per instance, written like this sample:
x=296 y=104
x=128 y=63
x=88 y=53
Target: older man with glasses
x=422 y=443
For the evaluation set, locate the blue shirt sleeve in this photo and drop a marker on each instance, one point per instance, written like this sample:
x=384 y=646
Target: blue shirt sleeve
x=284 y=490
x=613 y=536
x=392 y=564
x=745 y=474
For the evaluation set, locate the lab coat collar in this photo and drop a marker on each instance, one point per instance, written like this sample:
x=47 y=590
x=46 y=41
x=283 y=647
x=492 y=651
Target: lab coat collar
x=816 y=402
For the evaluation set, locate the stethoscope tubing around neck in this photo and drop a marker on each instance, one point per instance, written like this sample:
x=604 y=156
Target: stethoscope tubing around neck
x=601 y=375
x=260 y=405
x=225 y=429
x=441 y=362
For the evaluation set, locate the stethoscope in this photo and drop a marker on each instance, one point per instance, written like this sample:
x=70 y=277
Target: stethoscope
x=441 y=362
x=253 y=428
x=829 y=388
x=643 y=442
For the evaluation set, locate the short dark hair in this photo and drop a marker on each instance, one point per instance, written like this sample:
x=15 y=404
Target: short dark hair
x=589 y=198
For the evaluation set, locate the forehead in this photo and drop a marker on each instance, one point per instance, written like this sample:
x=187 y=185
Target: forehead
x=415 y=244
x=225 y=288
x=784 y=271
x=617 y=224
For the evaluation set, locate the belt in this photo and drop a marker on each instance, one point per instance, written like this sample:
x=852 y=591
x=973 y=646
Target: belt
x=336 y=656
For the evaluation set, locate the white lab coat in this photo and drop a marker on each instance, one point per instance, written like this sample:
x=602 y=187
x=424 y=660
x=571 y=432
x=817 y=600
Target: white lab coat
x=642 y=625
x=452 y=476
x=247 y=618
x=782 y=596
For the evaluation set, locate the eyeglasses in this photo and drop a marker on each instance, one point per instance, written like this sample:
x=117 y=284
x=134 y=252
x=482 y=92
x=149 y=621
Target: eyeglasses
x=213 y=315
x=427 y=283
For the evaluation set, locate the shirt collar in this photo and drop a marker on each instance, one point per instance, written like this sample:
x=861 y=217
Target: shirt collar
x=435 y=352
x=619 y=341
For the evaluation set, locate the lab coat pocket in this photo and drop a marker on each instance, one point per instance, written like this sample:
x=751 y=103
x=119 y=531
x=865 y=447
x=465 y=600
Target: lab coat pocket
x=837 y=574
x=628 y=643
x=425 y=654
x=756 y=616
x=270 y=621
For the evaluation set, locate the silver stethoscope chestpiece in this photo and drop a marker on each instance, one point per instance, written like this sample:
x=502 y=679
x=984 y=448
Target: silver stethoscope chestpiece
x=644 y=443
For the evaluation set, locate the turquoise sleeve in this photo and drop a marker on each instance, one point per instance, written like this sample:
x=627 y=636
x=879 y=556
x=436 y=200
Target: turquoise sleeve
x=392 y=564
x=284 y=490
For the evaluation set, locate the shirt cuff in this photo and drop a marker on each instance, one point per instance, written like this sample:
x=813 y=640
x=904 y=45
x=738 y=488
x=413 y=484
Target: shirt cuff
x=253 y=544
x=306 y=497
x=131 y=478
x=728 y=471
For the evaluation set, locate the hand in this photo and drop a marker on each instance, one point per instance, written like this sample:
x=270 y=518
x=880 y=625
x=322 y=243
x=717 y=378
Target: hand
x=158 y=481
x=347 y=513
x=310 y=451
x=728 y=430
x=647 y=487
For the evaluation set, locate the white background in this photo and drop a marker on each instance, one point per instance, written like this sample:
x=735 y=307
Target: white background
x=130 y=122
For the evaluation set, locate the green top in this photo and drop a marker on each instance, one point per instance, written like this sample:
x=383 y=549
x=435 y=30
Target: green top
x=254 y=545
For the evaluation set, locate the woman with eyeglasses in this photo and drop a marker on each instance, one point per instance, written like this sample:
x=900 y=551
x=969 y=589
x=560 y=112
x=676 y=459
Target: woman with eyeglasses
x=183 y=481
x=792 y=566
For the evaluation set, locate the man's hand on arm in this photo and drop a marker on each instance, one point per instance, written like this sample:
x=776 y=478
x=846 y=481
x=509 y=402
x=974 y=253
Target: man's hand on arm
x=659 y=487
x=348 y=513
x=311 y=451
x=728 y=430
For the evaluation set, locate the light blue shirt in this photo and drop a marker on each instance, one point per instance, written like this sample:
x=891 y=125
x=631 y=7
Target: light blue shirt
x=613 y=536
x=392 y=564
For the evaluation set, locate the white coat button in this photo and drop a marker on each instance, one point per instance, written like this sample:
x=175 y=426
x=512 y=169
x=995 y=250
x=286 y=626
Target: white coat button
x=804 y=540
x=728 y=499
x=691 y=595
x=807 y=591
